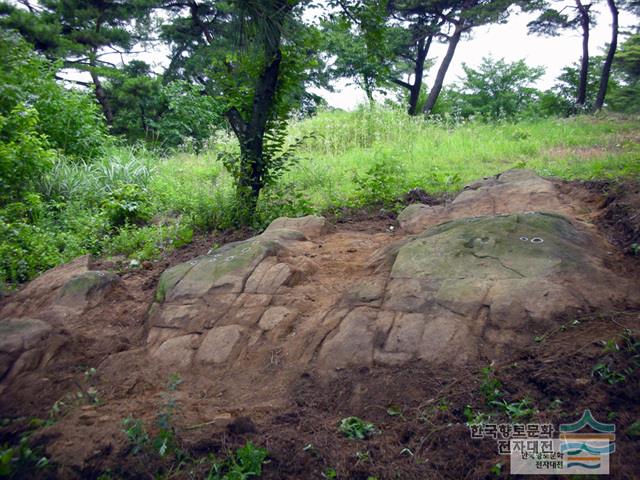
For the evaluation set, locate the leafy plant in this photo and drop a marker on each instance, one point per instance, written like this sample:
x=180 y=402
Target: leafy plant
x=127 y=204
x=496 y=469
x=394 y=411
x=519 y=410
x=622 y=359
x=330 y=473
x=490 y=385
x=380 y=183
x=20 y=461
x=475 y=417
x=246 y=462
x=356 y=428
x=136 y=434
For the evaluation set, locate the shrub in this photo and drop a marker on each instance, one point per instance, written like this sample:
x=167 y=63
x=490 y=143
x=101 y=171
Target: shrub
x=24 y=155
x=70 y=120
x=127 y=204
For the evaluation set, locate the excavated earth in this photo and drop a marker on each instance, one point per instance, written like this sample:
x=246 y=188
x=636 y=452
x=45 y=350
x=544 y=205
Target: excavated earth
x=278 y=336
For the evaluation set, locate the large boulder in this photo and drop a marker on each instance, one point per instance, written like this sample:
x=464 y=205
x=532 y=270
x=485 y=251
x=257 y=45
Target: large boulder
x=514 y=191
x=478 y=286
x=206 y=306
x=44 y=290
x=20 y=339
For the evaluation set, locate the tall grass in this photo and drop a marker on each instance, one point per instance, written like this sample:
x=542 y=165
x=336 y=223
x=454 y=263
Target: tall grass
x=92 y=181
x=440 y=156
x=349 y=159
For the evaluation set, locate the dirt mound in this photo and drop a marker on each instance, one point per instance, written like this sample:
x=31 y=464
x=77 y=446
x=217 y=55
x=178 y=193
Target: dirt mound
x=247 y=324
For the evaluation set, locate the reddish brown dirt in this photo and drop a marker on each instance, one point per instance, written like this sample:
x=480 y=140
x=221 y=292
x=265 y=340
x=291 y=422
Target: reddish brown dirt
x=428 y=440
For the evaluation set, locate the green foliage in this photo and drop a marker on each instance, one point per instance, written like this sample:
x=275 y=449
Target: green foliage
x=246 y=462
x=380 y=184
x=566 y=86
x=364 y=46
x=634 y=430
x=282 y=200
x=475 y=417
x=147 y=243
x=490 y=388
x=496 y=90
x=330 y=473
x=24 y=154
x=520 y=410
x=136 y=434
x=604 y=371
x=93 y=181
x=127 y=204
x=621 y=359
x=78 y=33
x=68 y=119
x=626 y=98
x=490 y=385
x=20 y=461
x=25 y=248
x=356 y=428
x=496 y=469
x=189 y=117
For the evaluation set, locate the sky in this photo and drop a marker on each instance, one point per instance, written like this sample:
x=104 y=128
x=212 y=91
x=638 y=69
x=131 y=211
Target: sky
x=509 y=41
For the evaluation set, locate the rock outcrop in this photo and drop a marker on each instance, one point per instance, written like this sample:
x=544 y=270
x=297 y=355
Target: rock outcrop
x=476 y=278
x=483 y=276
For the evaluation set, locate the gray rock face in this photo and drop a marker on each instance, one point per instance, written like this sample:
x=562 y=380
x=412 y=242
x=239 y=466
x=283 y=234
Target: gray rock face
x=86 y=290
x=310 y=226
x=479 y=278
x=514 y=191
x=19 y=339
x=218 y=299
x=491 y=280
x=466 y=286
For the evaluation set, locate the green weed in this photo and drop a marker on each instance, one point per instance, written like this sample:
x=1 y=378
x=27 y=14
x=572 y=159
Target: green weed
x=245 y=463
x=356 y=428
x=490 y=385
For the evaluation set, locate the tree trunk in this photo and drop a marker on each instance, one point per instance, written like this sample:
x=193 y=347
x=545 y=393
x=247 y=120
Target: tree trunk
x=414 y=95
x=444 y=66
x=606 y=68
x=251 y=134
x=101 y=95
x=584 y=62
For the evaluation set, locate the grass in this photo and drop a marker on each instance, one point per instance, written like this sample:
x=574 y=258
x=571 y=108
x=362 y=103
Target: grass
x=431 y=154
x=434 y=156
x=351 y=159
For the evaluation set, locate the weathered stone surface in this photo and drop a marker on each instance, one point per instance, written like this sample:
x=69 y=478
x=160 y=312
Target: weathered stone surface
x=519 y=268
x=268 y=277
x=514 y=191
x=311 y=226
x=275 y=316
x=44 y=290
x=18 y=336
x=483 y=276
x=353 y=341
x=411 y=218
x=494 y=248
x=228 y=291
x=218 y=344
x=177 y=351
x=87 y=289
